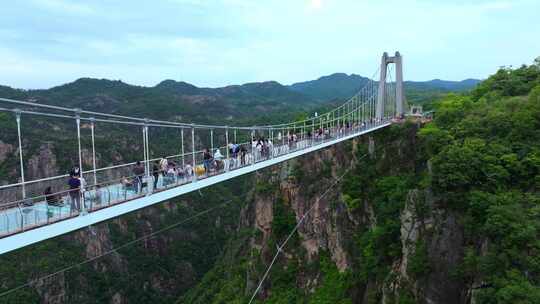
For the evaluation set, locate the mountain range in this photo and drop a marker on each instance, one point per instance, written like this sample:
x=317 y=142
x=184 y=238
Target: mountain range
x=185 y=102
x=341 y=85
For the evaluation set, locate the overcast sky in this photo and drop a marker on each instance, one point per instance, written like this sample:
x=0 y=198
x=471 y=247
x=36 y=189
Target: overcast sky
x=44 y=43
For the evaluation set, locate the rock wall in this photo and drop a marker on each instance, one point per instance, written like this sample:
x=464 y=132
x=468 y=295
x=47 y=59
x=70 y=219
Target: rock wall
x=331 y=226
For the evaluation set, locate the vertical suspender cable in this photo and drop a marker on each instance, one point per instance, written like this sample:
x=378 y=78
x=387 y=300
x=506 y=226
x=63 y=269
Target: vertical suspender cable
x=333 y=123
x=358 y=123
x=147 y=134
x=304 y=131
x=78 y=121
x=353 y=114
x=211 y=140
x=312 y=130
x=227 y=141
x=193 y=152
x=21 y=163
x=288 y=137
x=145 y=157
x=251 y=140
x=92 y=126
x=182 y=141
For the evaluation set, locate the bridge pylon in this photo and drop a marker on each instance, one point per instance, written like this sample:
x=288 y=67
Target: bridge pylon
x=397 y=60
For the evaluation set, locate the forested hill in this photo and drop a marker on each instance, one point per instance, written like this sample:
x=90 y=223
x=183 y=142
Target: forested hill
x=172 y=100
x=247 y=103
x=338 y=85
x=341 y=85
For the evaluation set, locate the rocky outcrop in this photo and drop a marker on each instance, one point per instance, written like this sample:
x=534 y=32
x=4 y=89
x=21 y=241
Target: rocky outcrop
x=42 y=164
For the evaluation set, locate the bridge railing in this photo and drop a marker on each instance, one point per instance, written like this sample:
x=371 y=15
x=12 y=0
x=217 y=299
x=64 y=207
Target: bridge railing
x=120 y=186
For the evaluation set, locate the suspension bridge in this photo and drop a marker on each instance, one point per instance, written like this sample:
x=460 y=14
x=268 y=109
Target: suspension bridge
x=35 y=210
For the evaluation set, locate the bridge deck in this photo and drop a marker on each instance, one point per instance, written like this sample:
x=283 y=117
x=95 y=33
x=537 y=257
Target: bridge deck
x=25 y=225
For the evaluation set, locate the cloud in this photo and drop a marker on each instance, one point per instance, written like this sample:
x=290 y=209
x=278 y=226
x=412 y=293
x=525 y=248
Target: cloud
x=220 y=42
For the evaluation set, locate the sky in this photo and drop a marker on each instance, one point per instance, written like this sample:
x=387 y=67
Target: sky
x=213 y=43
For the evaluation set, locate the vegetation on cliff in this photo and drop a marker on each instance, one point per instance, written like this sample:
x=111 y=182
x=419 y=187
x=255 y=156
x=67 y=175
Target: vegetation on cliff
x=485 y=155
x=470 y=182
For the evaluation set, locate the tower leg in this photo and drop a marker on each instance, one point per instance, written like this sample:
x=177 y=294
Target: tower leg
x=382 y=88
x=399 y=85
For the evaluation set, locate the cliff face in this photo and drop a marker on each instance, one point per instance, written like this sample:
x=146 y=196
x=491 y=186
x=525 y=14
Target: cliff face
x=371 y=239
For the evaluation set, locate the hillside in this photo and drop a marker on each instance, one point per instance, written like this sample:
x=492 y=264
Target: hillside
x=338 y=85
x=170 y=99
x=448 y=212
x=341 y=85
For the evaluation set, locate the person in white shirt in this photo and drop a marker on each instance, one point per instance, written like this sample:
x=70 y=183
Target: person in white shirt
x=164 y=164
x=218 y=158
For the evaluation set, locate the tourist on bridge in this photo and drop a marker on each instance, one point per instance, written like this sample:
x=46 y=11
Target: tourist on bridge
x=243 y=154
x=155 y=173
x=218 y=159
x=164 y=165
x=270 y=146
x=180 y=173
x=74 y=192
x=207 y=160
x=52 y=199
x=171 y=174
x=138 y=172
x=188 y=171
x=234 y=149
x=258 y=149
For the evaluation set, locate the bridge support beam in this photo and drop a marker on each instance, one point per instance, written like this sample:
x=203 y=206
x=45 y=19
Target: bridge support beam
x=400 y=97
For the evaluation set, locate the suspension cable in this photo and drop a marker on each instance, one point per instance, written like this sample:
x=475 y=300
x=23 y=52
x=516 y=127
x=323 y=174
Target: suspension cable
x=138 y=120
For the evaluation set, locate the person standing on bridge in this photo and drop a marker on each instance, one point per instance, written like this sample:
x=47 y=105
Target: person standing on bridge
x=164 y=164
x=243 y=154
x=138 y=172
x=207 y=161
x=218 y=159
x=74 y=192
x=155 y=173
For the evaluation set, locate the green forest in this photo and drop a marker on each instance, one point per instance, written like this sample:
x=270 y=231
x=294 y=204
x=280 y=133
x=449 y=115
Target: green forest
x=470 y=180
x=484 y=148
x=479 y=161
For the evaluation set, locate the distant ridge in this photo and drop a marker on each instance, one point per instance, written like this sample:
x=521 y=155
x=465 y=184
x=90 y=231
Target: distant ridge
x=171 y=99
x=337 y=85
x=463 y=85
x=341 y=85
